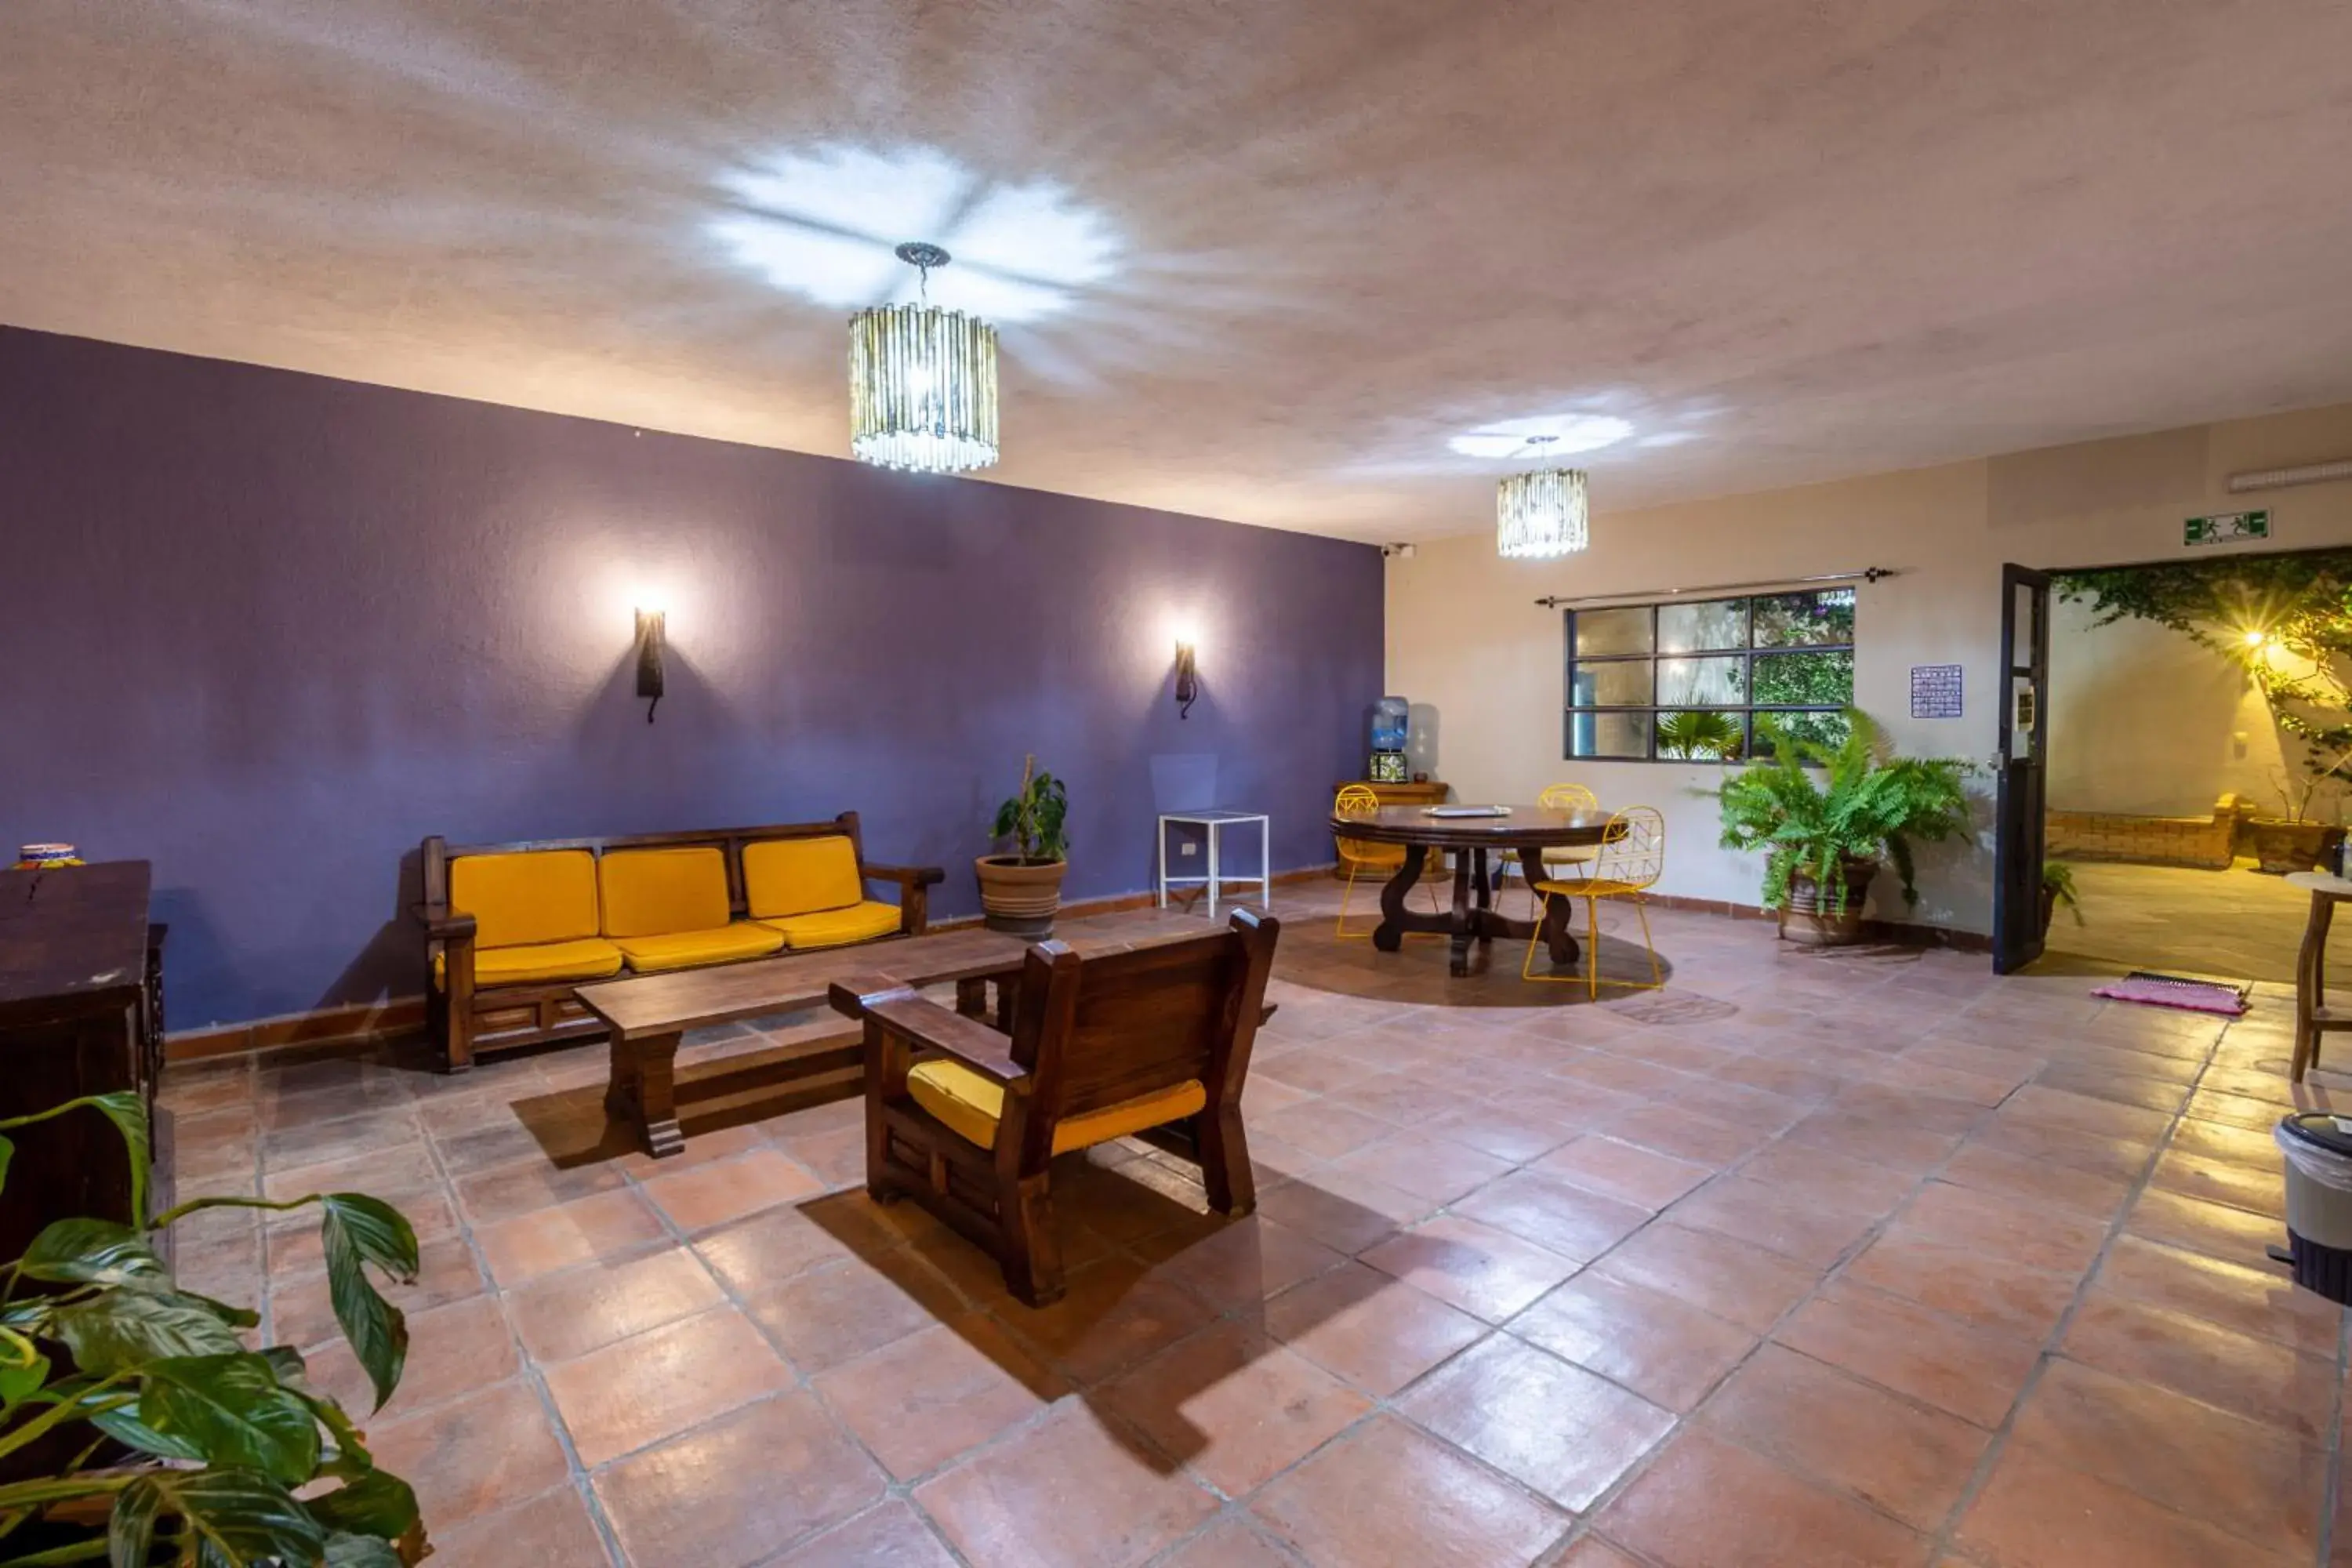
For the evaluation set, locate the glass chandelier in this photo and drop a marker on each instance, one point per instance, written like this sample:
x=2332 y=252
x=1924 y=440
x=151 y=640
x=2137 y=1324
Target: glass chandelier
x=1542 y=514
x=922 y=382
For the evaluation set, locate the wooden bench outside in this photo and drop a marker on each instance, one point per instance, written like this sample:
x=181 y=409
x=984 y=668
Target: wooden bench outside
x=471 y=1016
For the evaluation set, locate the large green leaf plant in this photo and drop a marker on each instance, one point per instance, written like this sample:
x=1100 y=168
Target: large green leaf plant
x=233 y=1458
x=1814 y=808
x=1035 y=818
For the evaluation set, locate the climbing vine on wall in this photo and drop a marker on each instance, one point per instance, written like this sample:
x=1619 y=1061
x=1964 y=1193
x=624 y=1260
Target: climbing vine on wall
x=2286 y=619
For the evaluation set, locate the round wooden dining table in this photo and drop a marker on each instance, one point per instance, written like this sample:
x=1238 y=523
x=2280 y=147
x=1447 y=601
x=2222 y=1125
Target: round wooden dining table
x=1528 y=831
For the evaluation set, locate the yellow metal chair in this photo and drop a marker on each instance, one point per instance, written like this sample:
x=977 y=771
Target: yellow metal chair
x=1569 y=798
x=1360 y=857
x=1631 y=858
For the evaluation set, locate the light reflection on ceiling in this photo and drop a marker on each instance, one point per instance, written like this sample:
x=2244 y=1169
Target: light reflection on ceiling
x=1544 y=435
x=822 y=224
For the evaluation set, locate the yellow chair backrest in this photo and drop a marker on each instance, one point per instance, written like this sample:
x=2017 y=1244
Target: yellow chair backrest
x=1632 y=848
x=540 y=895
x=801 y=876
x=1569 y=797
x=656 y=892
x=1362 y=800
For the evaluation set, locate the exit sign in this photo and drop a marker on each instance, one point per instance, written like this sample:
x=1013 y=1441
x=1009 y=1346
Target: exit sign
x=2228 y=527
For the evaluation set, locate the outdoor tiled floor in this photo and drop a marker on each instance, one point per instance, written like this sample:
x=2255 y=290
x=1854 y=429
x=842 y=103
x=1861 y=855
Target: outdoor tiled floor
x=1866 y=1259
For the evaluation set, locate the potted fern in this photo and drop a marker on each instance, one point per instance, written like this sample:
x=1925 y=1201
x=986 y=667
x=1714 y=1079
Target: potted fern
x=1823 y=815
x=1020 y=892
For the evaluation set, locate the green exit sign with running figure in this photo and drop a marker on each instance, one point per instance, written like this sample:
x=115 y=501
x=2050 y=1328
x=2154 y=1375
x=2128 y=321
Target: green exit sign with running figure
x=2228 y=527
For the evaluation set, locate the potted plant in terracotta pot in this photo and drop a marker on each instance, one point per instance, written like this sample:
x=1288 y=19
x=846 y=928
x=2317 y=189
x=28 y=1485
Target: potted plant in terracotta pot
x=2297 y=841
x=1020 y=892
x=1825 y=815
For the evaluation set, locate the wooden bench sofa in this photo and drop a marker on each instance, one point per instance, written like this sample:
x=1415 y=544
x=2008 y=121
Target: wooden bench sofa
x=511 y=929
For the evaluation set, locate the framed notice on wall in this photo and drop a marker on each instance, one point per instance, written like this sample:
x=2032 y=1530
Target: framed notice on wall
x=1935 y=691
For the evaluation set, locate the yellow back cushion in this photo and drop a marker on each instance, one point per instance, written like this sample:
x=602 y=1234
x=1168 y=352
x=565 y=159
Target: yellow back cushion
x=801 y=876
x=653 y=892
x=545 y=895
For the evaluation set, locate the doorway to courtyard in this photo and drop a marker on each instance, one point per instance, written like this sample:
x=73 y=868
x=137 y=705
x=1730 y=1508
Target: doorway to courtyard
x=2199 y=748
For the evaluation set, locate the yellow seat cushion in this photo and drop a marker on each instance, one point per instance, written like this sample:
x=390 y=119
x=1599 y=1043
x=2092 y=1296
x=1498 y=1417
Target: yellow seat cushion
x=692 y=949
x=657 y=893
x=590 y=958
x=971 y=1104
x=833 y=928
x=801 y=876
x=538 y=896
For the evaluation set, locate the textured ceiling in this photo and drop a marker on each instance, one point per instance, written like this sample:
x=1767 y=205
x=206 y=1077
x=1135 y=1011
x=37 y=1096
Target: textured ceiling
x=1255 y=258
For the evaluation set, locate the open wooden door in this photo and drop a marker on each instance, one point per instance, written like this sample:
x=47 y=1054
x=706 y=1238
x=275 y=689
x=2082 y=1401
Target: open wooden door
x=2019 y=812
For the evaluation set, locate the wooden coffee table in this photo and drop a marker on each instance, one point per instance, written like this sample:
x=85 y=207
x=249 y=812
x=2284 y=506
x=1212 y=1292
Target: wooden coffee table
x=649 y=1014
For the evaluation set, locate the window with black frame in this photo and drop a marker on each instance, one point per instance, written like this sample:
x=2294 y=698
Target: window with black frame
x=1689 y=680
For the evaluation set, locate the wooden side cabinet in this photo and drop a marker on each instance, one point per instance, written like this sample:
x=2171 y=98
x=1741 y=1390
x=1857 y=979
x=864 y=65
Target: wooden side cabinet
x=81 y=1012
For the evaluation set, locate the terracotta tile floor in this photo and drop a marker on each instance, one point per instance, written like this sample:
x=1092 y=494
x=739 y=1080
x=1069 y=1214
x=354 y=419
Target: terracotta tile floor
x=1860 y=1259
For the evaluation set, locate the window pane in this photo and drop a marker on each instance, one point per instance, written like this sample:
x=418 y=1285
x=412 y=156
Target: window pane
x=1606 y=734
x=1805 y=620
x=1699 y=735
x=1828 y=728
x=1695 y=628
x=1613 y=631
x=1618 y=683
x=1804 y=679
x=1720 y=682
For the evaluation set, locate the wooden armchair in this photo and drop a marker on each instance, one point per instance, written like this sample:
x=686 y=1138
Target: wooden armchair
x=967 y=1119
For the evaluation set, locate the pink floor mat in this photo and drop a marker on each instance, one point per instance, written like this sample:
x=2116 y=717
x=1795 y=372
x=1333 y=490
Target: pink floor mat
x=2171 y=991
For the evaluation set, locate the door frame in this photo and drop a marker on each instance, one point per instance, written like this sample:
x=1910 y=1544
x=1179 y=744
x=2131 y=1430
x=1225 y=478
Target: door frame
x=2020 y=800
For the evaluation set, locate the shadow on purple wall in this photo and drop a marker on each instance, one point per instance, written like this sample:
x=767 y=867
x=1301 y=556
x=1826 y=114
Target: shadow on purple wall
x=285 y=626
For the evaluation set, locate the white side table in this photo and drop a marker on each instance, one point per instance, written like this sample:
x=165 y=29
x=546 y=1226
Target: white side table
x=1210 y=821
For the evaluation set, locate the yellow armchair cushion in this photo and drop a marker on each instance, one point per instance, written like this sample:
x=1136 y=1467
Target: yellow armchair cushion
x=692 y=949
x=589 y=958
x=657 y=893
x=971 y=1104
x=800 y=876
x=539 y=895
x=835 y=928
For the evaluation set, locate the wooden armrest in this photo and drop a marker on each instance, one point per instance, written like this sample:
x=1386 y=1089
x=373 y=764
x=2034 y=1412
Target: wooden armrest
x=930 y=1026
x=440 y=922
x=906 y=876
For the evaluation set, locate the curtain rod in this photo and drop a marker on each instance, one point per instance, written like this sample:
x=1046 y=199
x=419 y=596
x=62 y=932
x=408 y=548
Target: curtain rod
x=1651 y=595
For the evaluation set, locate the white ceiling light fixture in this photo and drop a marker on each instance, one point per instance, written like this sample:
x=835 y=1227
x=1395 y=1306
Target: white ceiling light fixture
x=922 y=382
x=1542 y=514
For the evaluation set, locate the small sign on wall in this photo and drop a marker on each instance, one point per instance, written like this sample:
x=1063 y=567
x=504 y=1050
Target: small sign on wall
x=2226 y=528
x=1935 y=691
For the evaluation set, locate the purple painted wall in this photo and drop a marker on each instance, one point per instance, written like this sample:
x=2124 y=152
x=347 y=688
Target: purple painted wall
x=269 y=630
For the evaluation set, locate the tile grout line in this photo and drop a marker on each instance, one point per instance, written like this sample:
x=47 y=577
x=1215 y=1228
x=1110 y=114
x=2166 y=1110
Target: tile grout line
x=1999 y=1446
x=527 y=1365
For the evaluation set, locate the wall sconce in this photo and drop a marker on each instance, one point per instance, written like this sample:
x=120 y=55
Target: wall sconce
x=1188 y=681
x=649 y=659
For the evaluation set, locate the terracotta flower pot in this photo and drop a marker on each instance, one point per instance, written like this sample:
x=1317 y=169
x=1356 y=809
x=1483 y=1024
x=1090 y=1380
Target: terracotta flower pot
x=2282 y=846
x=1806 y=918
x=1020 y=896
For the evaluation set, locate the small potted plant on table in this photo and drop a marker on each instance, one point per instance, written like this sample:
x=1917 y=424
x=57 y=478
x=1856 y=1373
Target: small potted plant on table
x=1020 y=892
x=1822 y=838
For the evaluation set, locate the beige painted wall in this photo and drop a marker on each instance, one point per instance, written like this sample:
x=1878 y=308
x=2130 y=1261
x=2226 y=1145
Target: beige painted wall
x=2150 y=723
x=1465 y=637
